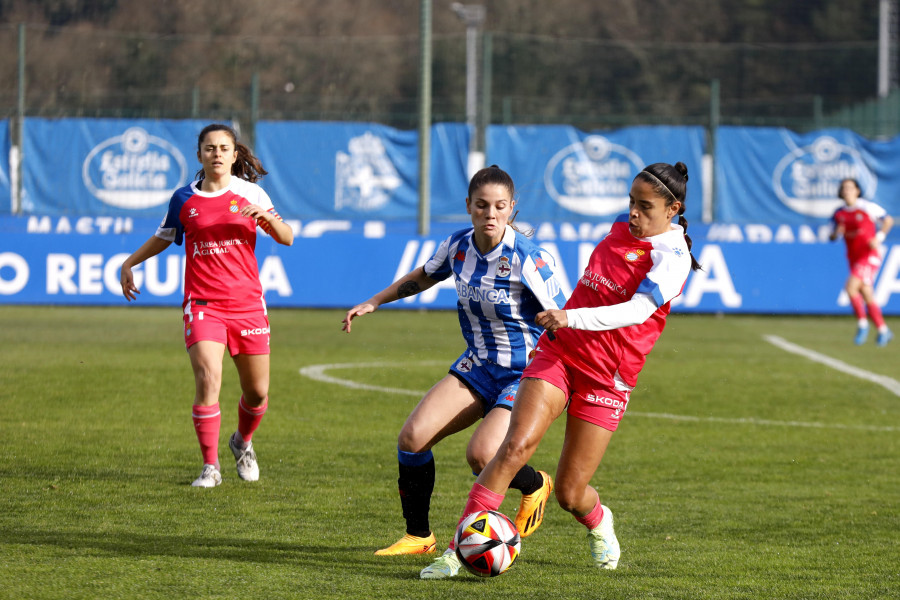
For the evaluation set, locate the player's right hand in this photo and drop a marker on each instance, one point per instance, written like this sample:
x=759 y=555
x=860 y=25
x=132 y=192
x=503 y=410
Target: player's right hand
x=356 y=311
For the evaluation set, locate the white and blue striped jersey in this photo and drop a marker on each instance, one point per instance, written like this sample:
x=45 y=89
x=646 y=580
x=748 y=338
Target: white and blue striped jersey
x=499 y=293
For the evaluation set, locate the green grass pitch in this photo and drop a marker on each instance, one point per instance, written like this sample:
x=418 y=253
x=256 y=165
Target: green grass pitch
x=740 y=470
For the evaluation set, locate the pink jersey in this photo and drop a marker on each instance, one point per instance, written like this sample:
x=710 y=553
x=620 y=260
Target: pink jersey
x=859 y=229
x=220 y=244
x=621 y=266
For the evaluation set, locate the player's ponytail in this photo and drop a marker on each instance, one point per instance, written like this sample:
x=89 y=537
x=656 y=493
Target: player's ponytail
x=670 y=182
x=246 y=166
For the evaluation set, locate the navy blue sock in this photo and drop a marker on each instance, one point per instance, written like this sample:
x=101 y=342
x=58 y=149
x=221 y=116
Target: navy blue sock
x=416 y=483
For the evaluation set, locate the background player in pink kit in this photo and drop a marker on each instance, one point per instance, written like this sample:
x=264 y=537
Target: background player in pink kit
x=216 y=217
x=589 y=360
x=858 y=222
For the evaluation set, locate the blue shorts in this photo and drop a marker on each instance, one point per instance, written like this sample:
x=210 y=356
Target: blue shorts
x=494 y=385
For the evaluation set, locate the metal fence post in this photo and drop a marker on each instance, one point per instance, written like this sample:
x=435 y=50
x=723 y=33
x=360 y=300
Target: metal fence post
x=424 y=116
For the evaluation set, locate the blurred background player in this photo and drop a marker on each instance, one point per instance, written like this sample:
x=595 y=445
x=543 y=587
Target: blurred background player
x=503 y=281
x=589 y=361
x=217 y=217
x=864 y=225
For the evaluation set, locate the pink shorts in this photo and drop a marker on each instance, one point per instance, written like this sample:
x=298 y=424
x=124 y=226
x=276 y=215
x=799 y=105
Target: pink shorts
x=247 y=333
x=866 y=270
x=600 y=403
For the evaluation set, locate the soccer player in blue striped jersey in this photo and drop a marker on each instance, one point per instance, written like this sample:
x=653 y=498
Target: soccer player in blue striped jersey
x=503 y=280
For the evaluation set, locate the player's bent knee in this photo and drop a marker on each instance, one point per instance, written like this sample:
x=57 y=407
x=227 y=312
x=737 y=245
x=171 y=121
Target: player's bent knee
x=477 y=462
x=407 y=442
x=515 y=453
x=569 y=496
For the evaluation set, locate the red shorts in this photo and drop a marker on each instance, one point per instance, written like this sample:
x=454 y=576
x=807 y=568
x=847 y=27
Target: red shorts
x=867 y=269
x=597 y=402
x=246 y=333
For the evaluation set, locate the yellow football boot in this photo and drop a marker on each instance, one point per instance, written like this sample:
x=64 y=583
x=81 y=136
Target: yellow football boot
x=410 y=544
x=531 y=509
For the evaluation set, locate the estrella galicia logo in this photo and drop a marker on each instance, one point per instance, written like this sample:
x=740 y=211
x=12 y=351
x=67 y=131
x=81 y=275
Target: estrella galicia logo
x=592 y=177
x=807 y=179
x=364 y=178
x=134 y=170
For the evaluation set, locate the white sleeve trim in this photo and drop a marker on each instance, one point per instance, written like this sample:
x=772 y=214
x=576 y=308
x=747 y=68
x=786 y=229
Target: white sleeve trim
x=602 y=318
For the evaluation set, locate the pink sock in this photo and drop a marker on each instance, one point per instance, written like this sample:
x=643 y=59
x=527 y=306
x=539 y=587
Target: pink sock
x=249 y=418
x=875 y=313
x=480 y=498
x=593 y=518
x=207 y=421
x=859 y=308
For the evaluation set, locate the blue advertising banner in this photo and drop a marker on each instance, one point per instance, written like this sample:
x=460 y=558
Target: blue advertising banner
x=334 y=170
x=746 y=269
x=360 y=170
x=108 y=166
x=5 y=184
x=770 y=175
x=562 y=173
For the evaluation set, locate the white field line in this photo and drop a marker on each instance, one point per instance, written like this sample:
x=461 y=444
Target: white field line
x=318 y=373
x=891 y=385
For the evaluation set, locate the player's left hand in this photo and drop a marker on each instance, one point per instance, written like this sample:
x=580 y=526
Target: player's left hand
x=552 y=319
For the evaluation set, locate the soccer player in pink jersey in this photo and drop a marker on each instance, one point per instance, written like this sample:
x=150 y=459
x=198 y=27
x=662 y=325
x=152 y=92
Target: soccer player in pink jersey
x=588 y=360
x=216 y=218
x=864 y=225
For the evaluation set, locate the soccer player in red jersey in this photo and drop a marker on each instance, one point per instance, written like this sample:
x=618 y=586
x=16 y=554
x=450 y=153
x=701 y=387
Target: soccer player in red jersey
x=216 y=218
x=864 y=225
x=588 y=360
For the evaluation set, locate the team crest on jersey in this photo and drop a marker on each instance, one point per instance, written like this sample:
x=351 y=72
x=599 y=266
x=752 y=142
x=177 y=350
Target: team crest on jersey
x=633 y=255
x=465 y=365
x=234 y=207
x=503 y=268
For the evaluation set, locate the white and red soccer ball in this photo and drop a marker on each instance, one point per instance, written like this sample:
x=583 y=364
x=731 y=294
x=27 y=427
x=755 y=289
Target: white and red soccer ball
x=487 y=543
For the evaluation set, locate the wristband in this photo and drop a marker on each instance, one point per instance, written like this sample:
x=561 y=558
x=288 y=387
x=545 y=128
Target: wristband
x=879 y=237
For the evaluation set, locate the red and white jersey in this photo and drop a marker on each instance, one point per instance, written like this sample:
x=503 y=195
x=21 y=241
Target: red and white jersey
x=620 y=266
x=220 y=243
x=860 y=227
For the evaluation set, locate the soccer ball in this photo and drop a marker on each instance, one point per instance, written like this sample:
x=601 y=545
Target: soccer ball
x=487 y=543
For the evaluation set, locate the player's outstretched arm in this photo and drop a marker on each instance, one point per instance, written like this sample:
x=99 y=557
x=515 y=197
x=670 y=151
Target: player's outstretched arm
x=150 y=248
x=409 y=285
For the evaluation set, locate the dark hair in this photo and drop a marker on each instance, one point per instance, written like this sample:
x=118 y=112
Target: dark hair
x=670 y=182
x=246 y=166
x=851 y=180
x=494 y=174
